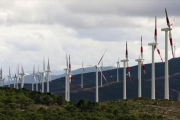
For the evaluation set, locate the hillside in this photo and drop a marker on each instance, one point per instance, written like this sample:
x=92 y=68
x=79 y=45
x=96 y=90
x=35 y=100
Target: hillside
x=23 y=104
x=113 y=90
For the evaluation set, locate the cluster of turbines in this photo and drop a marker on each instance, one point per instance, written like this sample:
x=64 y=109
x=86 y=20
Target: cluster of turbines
x=45 y=75
x=39 y=77
x=140 y=61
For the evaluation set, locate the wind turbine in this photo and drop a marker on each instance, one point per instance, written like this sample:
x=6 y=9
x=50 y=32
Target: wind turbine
x=22 y=77
x=66 y=79
x=124 y=75
x=143 y=66
x=97 y=67
x=128 y=69
x=9 y=77
x=1 y=78
x=33 y=78
x=139 y=70
x=118 y=66
x=166 y=85
x=48 y=75
x=154 y=45
x=69 y=79
x=83 y=70
x=16 y=77
x=43 y=73
x=15 y=81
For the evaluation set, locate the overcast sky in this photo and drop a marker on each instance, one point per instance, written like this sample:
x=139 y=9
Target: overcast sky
x=33 y=29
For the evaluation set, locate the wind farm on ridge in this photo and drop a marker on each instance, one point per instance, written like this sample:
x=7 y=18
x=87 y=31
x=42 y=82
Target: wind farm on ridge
x=44 y=76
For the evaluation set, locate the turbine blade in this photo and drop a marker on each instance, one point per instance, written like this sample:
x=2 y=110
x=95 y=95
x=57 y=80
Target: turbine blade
x=48 y=67
x=44 y=64
x=143 y=67
x=9 y=71
x=155 y=32
x=18 y=69
x=66 y=61
x=34 y=70
x=159 y=53
x=171 y=43
x=84 y=70
x=167 y=19
x=126 y=51
x=70 y=77
x=141 y=49
x=128 y=69
x=172 y=23
x=69 y=64
x=102 y=75
x=102 y=65
x=102 y=57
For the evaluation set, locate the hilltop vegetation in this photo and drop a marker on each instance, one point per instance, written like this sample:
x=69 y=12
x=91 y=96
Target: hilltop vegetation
x=30 y=105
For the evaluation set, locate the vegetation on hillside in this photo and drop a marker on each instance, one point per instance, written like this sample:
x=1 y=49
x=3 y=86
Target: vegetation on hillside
x=23 y=104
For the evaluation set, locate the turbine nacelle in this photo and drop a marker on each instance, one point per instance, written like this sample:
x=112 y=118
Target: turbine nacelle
x=139 y=59
x=125 y=60
x=166 y=29
x=97 y=66
x=153 y=44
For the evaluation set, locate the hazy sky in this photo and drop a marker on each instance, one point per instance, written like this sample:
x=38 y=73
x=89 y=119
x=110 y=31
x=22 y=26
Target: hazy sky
x=33 y=29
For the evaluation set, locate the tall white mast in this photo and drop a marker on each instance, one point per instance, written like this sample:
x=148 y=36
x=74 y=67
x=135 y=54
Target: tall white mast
x=124 y=78
x=37 y=79
x=97 y=67
x=153 y=71
x=48 y=75
x=22 y=74
x=9 y=77
x=43 y=76
x=139 y=76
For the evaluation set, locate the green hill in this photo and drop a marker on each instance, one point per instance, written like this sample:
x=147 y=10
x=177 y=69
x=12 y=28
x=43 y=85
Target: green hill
x=23 y=104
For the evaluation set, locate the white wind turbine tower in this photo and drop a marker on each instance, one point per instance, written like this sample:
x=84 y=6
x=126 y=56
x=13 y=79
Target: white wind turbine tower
x=154 y=45
x=124 y=75
x=16 y=78
x=43 y=76
x=9 y=77
x=66 y=79
x=166 y=85
x=83 y=71
x=48 y=75
x=97 y=67
x=139 y=70
x=1 y=78
x=118 y=66
x=15 y=81
x=22 y=77
x=33 y=78
x=69 y=79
